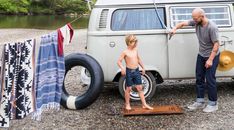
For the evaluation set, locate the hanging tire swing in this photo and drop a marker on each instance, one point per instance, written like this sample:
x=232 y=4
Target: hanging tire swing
x=85 y=74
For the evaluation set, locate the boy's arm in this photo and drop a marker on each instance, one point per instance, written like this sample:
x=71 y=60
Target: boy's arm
x=141 y=64
x=120 y=63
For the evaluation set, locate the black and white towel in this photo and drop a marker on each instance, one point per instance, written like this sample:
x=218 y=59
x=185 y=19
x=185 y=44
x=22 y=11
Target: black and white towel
x=17 y=76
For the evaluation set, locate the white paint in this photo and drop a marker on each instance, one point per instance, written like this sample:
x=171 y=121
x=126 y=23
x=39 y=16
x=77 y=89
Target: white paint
x=71 y=102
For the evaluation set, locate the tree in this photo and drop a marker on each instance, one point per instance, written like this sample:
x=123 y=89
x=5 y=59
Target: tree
x=43 y=6
x=71 y=6
x=14 y=6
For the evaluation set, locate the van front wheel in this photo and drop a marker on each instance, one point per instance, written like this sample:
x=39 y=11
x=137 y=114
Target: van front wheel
x=148 y=87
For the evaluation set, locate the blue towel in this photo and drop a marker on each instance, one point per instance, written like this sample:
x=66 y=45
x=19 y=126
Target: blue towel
x=50 y=70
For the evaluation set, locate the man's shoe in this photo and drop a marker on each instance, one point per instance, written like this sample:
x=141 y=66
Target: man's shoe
x=210 y=108
x=196 y=105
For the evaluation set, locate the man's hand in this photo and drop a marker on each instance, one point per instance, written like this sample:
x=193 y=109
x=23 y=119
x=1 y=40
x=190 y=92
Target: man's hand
x=208 y=64
x=143 y=72
x=172 y=32
x=123 y=72
x=215 y=49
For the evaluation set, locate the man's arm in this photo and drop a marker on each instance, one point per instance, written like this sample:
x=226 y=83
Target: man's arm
x=214 y=36
x=178 y=26
x=215 y=49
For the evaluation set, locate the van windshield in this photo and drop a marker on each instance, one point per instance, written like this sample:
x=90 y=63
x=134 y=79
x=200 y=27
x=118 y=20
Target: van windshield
x=137 y=19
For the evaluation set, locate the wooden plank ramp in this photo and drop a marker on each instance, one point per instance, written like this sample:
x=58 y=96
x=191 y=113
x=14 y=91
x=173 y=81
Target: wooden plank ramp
x=158 y=110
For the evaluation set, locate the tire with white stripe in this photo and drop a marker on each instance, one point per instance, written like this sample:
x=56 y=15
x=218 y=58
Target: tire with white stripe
x=96 y=85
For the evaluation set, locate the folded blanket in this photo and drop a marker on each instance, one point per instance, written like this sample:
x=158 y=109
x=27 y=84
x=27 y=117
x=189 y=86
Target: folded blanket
x=50 y=70
x=17 y=75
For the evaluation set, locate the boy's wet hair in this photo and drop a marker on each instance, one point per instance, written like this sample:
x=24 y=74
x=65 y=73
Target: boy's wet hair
x=129 y=38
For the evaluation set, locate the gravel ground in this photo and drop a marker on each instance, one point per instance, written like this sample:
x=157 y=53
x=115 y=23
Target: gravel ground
x=105 y=113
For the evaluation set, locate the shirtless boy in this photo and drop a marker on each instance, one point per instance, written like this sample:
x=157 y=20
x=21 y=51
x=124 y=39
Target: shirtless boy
x=132 y=73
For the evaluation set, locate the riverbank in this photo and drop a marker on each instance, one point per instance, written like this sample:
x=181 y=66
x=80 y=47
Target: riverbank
x=13 y=35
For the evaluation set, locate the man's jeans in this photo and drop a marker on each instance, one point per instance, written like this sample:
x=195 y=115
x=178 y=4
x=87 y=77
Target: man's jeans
x=206 y=77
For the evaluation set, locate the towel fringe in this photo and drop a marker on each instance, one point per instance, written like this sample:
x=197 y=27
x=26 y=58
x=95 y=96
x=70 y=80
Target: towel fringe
x=45 y=107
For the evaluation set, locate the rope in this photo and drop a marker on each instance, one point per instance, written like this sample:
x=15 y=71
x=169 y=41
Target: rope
x=76 y=19
x=160 y=19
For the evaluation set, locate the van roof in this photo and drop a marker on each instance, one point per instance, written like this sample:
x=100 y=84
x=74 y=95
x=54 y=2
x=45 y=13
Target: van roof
x=131 y=2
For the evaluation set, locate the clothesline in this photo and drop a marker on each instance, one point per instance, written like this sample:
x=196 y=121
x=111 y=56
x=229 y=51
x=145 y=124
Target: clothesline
x=76 y=19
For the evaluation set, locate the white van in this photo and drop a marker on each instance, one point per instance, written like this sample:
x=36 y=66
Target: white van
x=150 y=21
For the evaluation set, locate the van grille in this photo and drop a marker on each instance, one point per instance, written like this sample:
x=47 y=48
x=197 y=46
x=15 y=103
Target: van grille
x=103 y=18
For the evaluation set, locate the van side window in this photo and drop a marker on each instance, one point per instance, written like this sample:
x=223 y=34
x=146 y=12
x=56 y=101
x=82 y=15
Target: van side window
x=103 y=18
x=137 y=19
x=218 y=14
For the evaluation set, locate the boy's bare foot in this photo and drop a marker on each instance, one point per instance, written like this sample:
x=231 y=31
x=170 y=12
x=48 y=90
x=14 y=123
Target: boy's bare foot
x=147 y=107
x=128 y=107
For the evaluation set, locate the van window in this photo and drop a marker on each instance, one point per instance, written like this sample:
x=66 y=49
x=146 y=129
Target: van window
x=218 y=14
x=103 y=18
x=137 y=19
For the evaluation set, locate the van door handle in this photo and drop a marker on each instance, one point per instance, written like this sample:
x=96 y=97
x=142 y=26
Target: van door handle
x=112 y=44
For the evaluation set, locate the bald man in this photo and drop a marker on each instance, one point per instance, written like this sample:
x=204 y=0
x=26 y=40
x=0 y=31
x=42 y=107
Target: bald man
x=207 y=59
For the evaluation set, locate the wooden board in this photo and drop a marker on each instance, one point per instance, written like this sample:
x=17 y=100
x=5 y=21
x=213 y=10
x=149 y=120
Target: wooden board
x=158 y=110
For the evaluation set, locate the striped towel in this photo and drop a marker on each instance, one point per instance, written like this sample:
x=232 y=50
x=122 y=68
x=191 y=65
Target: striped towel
x=50 y=70
x=17 y=87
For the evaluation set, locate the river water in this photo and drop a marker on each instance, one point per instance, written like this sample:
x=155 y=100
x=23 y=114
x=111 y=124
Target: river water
x=41 y=21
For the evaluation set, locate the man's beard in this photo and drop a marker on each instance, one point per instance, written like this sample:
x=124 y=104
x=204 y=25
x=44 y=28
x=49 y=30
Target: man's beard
x=200 y=23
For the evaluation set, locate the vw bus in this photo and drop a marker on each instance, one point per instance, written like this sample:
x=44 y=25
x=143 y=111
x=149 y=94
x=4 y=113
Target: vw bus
x=150 y=20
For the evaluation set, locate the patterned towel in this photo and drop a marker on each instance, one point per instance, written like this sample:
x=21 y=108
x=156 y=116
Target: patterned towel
x=50 y=72
x=17 y=90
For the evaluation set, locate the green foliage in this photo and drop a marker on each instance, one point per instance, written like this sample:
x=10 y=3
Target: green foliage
x=43 y=6
x=22 y=6
x=35 y=9
x=14 y=6
x=70 y=6
x=6 y=6
x=41 y=10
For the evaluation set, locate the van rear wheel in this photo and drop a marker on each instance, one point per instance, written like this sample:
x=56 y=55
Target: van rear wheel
x=148 y=86
x=83 y=81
